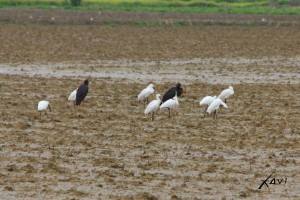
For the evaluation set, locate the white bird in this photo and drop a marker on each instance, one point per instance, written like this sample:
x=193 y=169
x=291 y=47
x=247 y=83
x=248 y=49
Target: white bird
x=226 y=93
x=145 y=93
x=72 y=96
x=43 y=105
x=214 y=106
x=207 y=101
x=153 y=106
x=170 y=104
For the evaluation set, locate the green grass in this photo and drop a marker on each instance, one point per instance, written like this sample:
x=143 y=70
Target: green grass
x=208 y=6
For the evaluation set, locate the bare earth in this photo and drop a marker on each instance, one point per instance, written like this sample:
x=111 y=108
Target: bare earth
x=109 y=149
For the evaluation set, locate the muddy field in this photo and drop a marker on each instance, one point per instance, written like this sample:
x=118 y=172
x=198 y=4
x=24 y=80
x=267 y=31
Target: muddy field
x=109 y=149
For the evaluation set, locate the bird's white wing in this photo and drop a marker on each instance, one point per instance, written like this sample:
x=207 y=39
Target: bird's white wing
x=72 y=96
x=206 y=100
x=224 y=94
x=213 y=106
x=168 y=104
x=145 y=93
x=152 y=106
x=42 y=105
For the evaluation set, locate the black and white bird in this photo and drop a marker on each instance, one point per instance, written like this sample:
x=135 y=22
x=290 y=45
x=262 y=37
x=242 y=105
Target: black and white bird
x=172 y=92
x=81 y=93
x=43 y=105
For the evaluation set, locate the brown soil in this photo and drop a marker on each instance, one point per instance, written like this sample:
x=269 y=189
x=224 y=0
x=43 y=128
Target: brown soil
x=109 y=149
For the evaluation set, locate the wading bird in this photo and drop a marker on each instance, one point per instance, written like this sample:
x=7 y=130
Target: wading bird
x=171 y=92
x=214 y=106
x=43 y=105
x=145 y=93
x=207 y=101
x=170 y=104
x=226 y=94
x=153 y=106
x=72 y=96
x=81 y=93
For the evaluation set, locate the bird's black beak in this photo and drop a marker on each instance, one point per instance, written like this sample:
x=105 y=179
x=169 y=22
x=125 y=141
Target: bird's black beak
x=183 y=92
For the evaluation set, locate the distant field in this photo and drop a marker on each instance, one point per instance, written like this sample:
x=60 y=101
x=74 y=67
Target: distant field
x=209 y=6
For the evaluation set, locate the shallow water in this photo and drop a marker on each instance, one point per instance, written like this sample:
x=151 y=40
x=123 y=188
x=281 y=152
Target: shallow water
x=213 y=71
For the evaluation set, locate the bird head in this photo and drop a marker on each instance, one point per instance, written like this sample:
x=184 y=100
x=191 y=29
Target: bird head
x=180 y=89
x=224 y=104
x=231 y=90
x=151 y=86
x=86 y=82
x=158 y=97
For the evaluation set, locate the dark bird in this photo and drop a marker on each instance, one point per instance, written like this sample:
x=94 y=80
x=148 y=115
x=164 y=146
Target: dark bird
x=172 y=92
x=82 y=91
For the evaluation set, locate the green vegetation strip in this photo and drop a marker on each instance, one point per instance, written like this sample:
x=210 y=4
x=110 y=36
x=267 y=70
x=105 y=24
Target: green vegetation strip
x=208 y=6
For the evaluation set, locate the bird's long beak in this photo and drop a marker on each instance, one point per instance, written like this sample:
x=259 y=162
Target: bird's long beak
x=183 y=92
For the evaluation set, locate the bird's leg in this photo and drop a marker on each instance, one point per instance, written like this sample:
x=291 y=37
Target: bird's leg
x=225 y=101
x=144 y=103
x=152 y=116
x=46 y=114
x=169 y=112
x=40 y=113
x=215 y=114
x=50 y=108
x=205 y=111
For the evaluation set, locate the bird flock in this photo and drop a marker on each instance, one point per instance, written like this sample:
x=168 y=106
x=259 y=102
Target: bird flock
x=213 y=103
x=168 y=101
